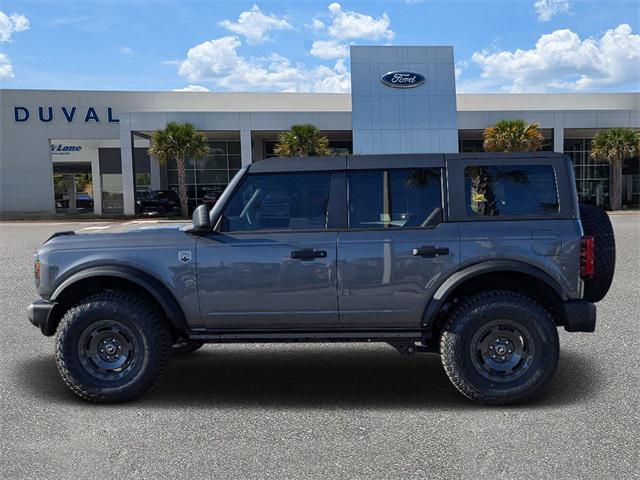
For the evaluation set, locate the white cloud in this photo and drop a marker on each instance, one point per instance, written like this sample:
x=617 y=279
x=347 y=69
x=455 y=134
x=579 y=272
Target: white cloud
x=413 y=1
x=546 y=9
x=10 y=24
x=346 y=25
x=125 y=51
x=254 y=25
x=219 y=62
x=192 y=88
x=210 y=59
x=561 y=60
x=6 y=69
x=317 y=25
x=328 y=49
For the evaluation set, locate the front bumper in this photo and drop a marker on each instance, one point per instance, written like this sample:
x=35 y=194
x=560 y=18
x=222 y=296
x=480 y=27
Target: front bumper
x=580 y=316
x=40 y=315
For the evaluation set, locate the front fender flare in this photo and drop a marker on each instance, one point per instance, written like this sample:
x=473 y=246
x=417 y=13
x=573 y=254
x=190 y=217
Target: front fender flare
x=159 y=291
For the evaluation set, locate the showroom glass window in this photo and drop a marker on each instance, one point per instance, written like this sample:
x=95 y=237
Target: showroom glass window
x=208 y=177
x=393 y=198
x=292 y=201
x=511 y=190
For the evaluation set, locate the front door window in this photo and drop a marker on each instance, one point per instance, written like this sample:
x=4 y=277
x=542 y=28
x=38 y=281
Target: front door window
x=297 y=201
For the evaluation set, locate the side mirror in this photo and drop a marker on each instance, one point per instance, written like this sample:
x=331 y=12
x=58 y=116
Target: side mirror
x=201 y=221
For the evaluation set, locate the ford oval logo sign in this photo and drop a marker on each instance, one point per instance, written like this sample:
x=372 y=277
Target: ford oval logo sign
x=402 y=79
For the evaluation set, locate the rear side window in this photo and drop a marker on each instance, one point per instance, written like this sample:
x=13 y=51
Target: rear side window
x=292 y=201
x=393 y=198
x=511 y=190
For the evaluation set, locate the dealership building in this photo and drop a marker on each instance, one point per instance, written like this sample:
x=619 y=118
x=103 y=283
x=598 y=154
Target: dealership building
x=86 y=151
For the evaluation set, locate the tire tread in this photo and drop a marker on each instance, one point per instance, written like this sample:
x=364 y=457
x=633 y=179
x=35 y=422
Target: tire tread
x=155 y=329
x=452 y=355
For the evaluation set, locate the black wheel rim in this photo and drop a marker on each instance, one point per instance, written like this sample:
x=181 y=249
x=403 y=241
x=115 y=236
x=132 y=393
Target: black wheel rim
x=502 y=350
x=108 y=350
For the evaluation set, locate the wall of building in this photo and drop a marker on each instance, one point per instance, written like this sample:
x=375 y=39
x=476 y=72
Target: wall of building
x=93 y=117
x=26 y=176
x=403 y=120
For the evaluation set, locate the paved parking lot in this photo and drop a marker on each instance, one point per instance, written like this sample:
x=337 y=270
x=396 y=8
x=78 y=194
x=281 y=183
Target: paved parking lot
x=321 y=410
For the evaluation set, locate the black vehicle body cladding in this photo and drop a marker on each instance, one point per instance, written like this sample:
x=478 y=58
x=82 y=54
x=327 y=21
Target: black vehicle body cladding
x=39 y=313
x=441 y=296
x=158 y=290
x=580 y=316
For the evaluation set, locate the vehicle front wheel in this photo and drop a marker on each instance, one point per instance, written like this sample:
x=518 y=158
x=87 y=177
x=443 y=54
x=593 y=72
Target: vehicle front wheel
x=500 y=348
x=112 y=347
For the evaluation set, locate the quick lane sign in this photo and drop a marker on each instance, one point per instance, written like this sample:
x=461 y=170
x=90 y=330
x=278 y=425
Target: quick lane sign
x=47 y=114
x=402 y=79
x=62 y=149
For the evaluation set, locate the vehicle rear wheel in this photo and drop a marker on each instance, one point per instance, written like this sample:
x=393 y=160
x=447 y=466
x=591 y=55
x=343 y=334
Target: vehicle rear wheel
x=184 y=346
x=500 y=348
x=596 y=223
x=112 y=347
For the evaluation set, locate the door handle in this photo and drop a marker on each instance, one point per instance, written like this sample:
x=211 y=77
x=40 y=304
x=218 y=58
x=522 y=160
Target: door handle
x=429 y=251
x=308 y=254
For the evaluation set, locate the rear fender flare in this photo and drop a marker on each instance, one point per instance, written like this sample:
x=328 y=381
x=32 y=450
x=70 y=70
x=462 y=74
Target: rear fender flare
x=454 y=281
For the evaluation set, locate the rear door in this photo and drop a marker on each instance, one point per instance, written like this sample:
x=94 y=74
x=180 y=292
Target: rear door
x=398 y=246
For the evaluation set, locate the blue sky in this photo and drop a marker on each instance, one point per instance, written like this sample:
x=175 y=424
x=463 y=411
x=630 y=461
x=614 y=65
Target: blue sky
x=500 y=46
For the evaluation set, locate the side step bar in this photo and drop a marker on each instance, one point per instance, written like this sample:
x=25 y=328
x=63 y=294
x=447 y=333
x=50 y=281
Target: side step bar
x=280 y=335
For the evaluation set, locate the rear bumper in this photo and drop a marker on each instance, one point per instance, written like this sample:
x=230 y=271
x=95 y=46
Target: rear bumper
x=580 y=316
x=40 y=315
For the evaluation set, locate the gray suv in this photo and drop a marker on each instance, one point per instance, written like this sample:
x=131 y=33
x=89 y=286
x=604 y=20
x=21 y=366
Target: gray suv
x=475 y=257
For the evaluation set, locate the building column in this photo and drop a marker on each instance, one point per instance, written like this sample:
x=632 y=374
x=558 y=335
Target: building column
x=245 y=148
x=126 y=157
x=96 y=181
x=558 y=139
x=154 y=165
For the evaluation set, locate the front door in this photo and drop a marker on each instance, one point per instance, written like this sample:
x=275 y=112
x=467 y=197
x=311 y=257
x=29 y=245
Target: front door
x=273 y=264
x=397 y=249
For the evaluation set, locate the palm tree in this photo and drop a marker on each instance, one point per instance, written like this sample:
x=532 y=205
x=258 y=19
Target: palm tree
x=302 y=141
x=180 y=141
x=614 y=146
x=513 y=136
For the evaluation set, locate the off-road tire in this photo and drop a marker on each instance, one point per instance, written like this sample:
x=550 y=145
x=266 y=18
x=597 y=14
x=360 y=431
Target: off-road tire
x=470 y=318
x=144 y=328
x=596 y=223
x=184 y=346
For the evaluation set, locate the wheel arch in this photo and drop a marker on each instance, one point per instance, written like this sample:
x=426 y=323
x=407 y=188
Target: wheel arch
x=500 y=274
x=100 y=278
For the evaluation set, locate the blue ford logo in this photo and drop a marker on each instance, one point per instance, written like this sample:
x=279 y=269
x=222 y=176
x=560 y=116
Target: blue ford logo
x=402 y=79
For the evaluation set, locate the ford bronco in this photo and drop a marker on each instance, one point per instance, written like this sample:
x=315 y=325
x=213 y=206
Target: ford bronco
x=476 y=257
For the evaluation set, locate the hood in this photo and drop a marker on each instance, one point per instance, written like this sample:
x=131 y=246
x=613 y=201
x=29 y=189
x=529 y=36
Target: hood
x=129 y=234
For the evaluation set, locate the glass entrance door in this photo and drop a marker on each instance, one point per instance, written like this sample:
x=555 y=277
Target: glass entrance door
x=73 y=187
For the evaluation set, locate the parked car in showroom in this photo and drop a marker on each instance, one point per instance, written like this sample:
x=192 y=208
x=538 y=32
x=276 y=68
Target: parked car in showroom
x=160 y=202
x=478 y=258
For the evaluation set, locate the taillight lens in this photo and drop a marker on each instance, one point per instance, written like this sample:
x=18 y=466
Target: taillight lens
x=587 y=257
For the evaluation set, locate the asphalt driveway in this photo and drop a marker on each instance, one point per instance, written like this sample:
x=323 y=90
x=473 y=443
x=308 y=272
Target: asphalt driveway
x=320 y=410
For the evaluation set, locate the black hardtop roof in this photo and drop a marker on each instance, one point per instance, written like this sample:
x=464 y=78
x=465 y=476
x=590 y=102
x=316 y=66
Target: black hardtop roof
x=390 y=160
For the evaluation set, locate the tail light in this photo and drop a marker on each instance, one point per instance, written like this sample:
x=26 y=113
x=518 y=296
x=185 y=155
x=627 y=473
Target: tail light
x=587 y=256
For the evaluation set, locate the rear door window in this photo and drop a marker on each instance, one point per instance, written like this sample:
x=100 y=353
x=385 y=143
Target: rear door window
x=511 y=190
x=393 y=198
